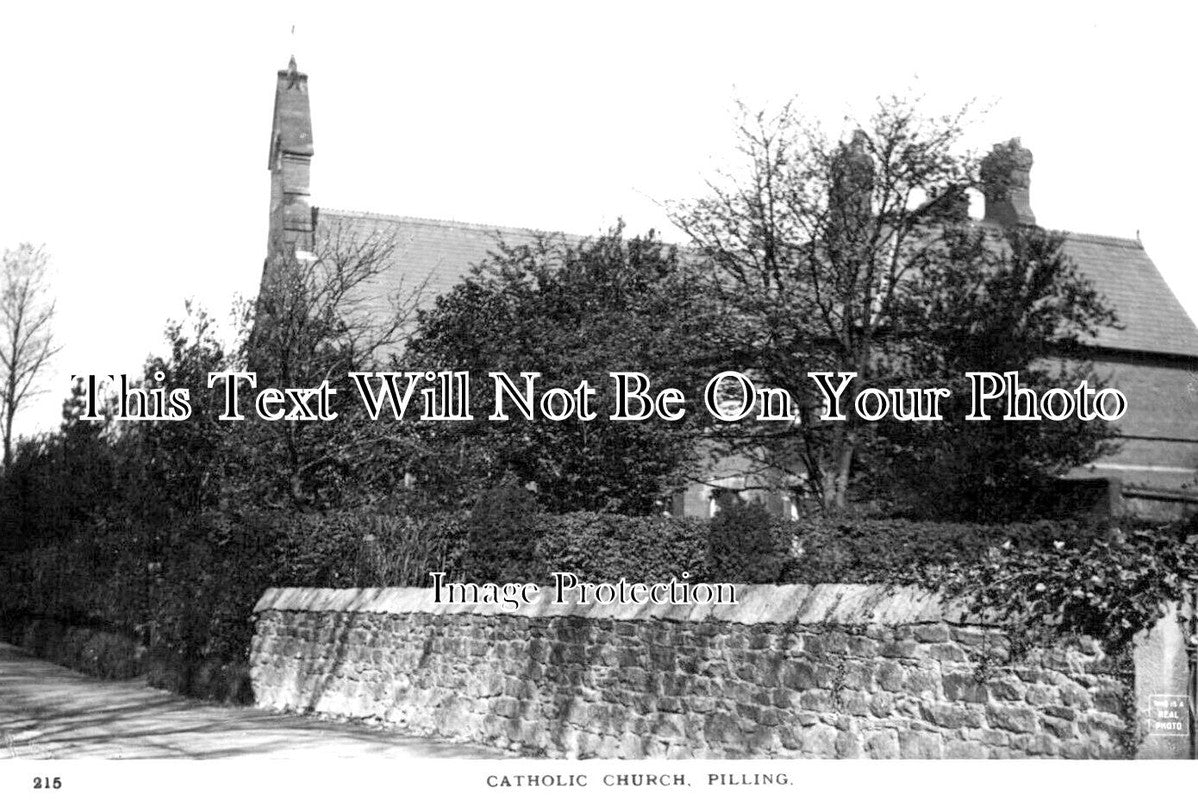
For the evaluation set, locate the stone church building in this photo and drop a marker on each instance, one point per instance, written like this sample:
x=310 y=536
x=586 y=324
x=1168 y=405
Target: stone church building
x=1152 y=358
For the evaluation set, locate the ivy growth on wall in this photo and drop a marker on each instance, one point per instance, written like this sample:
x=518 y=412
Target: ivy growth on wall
x=1106 y=588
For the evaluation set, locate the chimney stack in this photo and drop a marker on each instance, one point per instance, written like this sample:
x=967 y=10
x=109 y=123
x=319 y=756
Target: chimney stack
x=851 y=192
x=1006 y=178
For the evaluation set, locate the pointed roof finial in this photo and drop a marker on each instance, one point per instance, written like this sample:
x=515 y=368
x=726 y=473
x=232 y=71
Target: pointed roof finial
x=293 y=74
x=291 y=67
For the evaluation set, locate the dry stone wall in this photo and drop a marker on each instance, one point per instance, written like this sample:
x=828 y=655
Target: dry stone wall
x=838 y=671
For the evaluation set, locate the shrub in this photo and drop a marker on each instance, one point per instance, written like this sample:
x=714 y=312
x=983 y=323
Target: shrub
x=607 y=547
x=343 y=549
x=499 y=542
x=747 y=544
x=218 y=565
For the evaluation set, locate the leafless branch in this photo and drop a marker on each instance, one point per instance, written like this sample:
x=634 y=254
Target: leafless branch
x=26 y=335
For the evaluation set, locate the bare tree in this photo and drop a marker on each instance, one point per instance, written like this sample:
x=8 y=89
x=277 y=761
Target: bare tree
x=814 y=243
x=320 y=315
x=860 y=257
x=26 y=338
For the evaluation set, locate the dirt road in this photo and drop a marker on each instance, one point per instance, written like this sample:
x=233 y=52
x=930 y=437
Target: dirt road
x=48 y=711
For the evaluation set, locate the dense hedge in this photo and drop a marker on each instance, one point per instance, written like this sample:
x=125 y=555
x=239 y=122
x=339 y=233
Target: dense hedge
x=90 y=650
x=182 y=596
x=600 y=547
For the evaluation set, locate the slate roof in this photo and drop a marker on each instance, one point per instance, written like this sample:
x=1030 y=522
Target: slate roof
x=429 y=256
x=1152 y=318
x=436 y=254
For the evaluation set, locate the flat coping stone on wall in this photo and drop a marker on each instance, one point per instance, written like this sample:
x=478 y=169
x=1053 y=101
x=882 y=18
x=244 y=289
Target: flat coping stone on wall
x=819 y=604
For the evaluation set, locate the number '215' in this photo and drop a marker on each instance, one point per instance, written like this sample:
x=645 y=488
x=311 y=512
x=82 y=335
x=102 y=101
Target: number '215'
x=47 y=783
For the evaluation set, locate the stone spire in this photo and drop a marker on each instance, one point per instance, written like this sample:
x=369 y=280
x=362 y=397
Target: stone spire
x=290 y=164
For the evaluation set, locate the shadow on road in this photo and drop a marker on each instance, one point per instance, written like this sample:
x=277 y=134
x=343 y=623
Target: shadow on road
x=48 y=711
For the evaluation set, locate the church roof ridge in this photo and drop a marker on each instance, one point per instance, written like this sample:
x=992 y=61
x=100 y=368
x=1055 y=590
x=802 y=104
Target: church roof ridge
x=1098 y=238
x=439 y=222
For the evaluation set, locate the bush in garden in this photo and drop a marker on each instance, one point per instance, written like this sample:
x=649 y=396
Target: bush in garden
x=747 y=544
x=607 y=547
x=499 y=540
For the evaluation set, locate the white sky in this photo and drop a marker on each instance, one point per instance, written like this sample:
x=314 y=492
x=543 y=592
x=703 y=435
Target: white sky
x=135 y=136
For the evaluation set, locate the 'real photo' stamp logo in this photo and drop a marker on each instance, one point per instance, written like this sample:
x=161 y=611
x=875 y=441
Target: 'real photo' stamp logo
x=1168 y=715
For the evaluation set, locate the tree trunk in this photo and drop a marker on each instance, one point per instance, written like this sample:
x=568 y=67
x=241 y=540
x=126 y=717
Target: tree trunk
x=9 y=413
x=844 y=462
